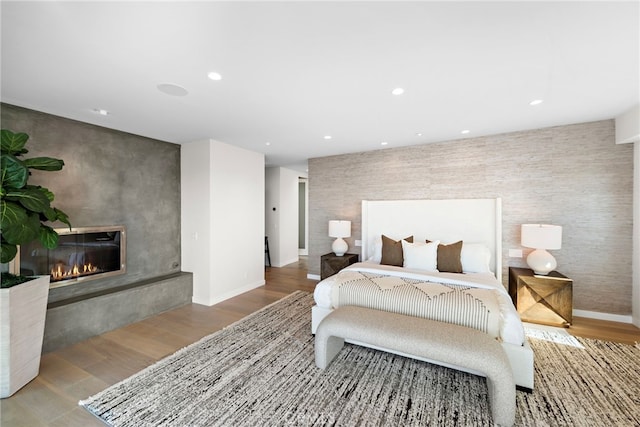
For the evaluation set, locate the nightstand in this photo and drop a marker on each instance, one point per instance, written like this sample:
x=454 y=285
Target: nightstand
x=330 y=263
x=547 y=300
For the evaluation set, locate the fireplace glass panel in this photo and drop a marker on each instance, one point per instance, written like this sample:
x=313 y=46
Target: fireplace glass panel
x=82 y=254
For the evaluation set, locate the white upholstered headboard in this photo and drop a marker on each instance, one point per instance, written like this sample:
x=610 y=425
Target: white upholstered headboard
x=470 y=220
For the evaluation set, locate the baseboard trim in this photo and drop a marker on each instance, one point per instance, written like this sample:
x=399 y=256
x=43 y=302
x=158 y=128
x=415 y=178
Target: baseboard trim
x=603 y=316
x=313 y=276
x=227 y=295
x=287 y=262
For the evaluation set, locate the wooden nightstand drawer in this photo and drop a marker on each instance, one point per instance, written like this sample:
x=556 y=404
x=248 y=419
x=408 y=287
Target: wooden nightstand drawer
x=330 y=263
x=547 y=300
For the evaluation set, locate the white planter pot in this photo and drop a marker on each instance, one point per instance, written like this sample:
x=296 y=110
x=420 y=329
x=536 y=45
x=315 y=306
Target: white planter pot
x=23 y=309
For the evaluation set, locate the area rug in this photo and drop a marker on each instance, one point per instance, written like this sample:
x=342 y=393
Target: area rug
x=261 y=371
x=550 y=333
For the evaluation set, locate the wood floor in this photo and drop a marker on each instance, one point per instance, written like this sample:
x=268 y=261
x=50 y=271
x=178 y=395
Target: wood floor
x=78 y=371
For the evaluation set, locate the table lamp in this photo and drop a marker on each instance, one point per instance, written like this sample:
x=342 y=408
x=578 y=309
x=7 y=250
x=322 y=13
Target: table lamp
x=339 y=229
x=541 y=237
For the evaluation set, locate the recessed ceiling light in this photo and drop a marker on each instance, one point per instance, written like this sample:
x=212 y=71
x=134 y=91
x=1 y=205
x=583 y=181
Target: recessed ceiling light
x=267 y=143
x=466 y=131
x=171 y=89
x=100 y=111
x=536 y=102
x=419 y=134
x=327 y=137
x=384 y=143
x=214 y=76
x=397 y=91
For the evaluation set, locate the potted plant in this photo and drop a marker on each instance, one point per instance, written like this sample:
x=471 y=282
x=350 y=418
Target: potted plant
x=24 y=209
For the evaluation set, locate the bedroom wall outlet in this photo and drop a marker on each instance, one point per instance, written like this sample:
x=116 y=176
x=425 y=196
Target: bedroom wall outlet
x=358 y=242
x=515 y=253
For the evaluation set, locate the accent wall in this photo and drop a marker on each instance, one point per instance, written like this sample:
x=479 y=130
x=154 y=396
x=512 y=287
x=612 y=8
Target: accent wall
x=575 y=176
x=109 y=178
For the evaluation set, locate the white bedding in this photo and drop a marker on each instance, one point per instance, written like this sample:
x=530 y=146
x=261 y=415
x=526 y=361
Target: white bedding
x=510 y=328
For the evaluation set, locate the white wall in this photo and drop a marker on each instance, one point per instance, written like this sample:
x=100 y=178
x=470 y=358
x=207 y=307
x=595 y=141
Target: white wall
x=222 y=197
x=272 y=213
x=628 y=126
x=628 y=131
x=635 y=292
x=195 y=200
x=288 y=216
x=281 y=193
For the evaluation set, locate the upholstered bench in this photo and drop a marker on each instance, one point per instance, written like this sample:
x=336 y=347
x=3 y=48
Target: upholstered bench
x=450 y=344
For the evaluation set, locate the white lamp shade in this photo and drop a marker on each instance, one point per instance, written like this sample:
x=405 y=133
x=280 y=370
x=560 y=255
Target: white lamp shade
x=339 y=228
x=541 y=236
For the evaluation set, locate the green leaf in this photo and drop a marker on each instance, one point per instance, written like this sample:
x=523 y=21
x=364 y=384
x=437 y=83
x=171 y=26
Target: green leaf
x=62 y=217
x=22 y=232
x=46 y=191
x=48 y=237
x=44 y=163
x=14 y=172
x=34 y=199
x=11 y=214
x=13 y=143
x=24 y=207
x=9 y=252
x=50 y=214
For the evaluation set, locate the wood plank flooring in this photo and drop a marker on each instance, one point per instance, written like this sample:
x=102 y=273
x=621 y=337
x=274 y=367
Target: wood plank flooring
x=78 y=371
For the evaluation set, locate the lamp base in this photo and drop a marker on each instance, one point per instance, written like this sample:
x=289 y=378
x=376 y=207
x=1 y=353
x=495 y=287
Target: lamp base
x=339 y=246
x=541 y=262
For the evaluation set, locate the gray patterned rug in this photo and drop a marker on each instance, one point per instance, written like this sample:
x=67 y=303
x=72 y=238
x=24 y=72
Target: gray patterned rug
x=261 y=371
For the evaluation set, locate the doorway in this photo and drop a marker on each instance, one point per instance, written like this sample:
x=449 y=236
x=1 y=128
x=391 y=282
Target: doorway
x=303 y=216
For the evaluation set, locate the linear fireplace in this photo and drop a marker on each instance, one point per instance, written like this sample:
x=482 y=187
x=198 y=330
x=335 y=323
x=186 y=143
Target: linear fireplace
x=82 y=254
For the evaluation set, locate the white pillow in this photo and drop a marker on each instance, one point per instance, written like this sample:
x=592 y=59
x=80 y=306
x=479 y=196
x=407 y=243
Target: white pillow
x=421 y=256
x=376 y=250
x=475 y=258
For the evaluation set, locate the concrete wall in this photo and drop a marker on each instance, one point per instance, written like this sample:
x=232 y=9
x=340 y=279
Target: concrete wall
x=70 y=323
x=223 y=221
x=574 y=176
x=109 y=177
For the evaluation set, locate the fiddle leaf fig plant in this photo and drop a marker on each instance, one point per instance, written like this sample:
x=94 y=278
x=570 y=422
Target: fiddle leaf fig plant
x=24 y=208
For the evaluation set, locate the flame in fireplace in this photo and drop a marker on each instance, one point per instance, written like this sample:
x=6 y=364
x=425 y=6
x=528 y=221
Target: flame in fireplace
x=61 y=272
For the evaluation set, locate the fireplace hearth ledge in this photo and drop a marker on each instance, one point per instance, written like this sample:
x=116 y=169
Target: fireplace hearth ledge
x=81 y=317
x=112 y=290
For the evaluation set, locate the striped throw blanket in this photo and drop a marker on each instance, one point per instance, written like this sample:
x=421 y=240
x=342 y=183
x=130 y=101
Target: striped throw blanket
x=462 y=305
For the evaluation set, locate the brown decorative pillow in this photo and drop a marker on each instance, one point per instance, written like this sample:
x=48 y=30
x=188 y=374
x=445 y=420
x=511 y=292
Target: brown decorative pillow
x=392 y=251
x=449 y=257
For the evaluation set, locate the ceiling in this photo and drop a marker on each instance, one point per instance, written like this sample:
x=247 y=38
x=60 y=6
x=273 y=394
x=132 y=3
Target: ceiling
x=295 y=72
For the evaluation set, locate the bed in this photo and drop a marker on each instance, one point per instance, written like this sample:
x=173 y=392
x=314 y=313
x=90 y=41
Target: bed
x=461 y=237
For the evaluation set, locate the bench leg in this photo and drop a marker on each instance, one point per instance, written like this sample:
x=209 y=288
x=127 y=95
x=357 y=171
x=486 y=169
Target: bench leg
x=502 y=398
x=327 y=348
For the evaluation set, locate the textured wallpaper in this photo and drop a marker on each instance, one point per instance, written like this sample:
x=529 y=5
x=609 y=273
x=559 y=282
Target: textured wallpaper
x=574 y=176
